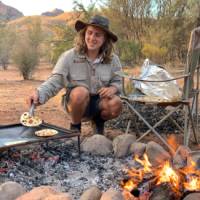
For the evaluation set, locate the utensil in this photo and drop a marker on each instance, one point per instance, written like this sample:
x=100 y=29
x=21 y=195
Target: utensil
x=31 y=110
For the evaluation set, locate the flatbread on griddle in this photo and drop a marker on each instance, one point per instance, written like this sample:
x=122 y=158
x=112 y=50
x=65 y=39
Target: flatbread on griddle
x=46 y=132
x=30 y=121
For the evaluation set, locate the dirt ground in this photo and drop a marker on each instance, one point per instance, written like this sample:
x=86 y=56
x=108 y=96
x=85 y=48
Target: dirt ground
x=14 y=91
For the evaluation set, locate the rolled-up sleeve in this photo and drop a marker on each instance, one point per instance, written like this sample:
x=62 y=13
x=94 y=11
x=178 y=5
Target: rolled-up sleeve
x=116 y=80
x=56 y=81
x=50 y=87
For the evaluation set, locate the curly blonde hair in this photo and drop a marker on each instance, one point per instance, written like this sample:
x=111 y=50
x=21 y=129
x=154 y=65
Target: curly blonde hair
x=106 y=49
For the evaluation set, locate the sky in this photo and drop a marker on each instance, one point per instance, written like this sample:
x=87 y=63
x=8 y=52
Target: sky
x=36 y=7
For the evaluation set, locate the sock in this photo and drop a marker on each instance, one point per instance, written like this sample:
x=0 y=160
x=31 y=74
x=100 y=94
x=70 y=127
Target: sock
x=75 y=126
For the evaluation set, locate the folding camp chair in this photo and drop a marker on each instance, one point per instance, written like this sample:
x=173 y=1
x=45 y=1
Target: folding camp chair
x=188 y=102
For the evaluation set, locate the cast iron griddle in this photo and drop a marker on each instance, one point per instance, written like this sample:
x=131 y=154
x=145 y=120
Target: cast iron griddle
x=17 y=134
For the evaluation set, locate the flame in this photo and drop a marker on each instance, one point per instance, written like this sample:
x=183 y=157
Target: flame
x=193 y=184
x=145 y=163
x=172 y=141
x=136 y=175
x=192 y=175
x=129 y=185
x=180 y=180
x=168 y=175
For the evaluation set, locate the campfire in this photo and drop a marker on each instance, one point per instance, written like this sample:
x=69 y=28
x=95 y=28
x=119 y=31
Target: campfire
x=145 y=178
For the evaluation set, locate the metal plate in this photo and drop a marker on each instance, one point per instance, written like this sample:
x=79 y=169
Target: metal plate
x=17 y=134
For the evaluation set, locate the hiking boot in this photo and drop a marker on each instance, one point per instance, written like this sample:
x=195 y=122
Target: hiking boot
x=75 y=127
x=98 y=126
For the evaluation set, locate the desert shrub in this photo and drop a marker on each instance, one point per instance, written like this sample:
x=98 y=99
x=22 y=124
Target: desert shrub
x=26 y=58
x=26 y=52
x=154 y=53
x=7 y=37
x=129 y=51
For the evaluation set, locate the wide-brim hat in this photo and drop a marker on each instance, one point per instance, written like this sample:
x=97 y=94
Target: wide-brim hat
x=98 y=21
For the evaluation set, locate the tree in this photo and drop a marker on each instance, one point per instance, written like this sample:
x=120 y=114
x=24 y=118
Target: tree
x=26 y=53
x=26 y=57
x=64 y=34
x=86 y=11
x=63 y=40
x=7 y=37
x=35 y=33
x=132 y=17
x=129 y=51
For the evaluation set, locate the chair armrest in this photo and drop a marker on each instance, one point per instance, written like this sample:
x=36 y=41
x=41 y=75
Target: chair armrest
x=125 y=75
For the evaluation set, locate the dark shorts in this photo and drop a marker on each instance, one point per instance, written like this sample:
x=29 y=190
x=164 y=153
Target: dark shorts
x=92 y=109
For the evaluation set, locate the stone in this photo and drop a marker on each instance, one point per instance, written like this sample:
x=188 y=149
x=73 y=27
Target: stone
x=156 y=153
x=38 y=193
x=194 y=158
x=92 y=193
x=11 y=190
x=112 y=134
x=183 y=151
x=112 y=194
x=137 y=148
x=179 y=162
x=97 y=145
x=122 y=143
x=192 y=196
x=181 y=156
x=61 y=196
x=163 y=192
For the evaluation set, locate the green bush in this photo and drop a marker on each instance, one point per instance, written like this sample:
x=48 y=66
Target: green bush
x=7 y=38
x=154 y=53
x=26 y=57
x=64 y=40
x=26 y=52
x=129 y=51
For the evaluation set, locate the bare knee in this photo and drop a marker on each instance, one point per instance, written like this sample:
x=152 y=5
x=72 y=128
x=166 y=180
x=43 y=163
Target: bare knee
x=79 y=96
x=111 y=108
x=115 y=105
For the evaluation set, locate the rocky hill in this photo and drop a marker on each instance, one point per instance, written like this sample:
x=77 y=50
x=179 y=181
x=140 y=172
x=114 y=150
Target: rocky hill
x=8 y=13
x=53 y=13
x=66 y=18
x=47 y=23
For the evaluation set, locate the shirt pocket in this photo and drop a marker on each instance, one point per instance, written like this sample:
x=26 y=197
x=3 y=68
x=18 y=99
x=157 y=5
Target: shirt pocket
x=105 y=79
x=79 y=80
x=78 y=77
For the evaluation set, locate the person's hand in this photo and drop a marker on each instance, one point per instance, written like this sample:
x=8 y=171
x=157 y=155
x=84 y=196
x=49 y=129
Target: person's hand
x=107 y=92
x=33 y=98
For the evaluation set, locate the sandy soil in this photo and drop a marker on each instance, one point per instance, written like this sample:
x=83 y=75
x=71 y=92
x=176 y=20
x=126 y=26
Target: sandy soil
x=14 y=91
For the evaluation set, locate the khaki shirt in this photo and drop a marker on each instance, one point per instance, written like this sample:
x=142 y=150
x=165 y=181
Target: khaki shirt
x=73 y=69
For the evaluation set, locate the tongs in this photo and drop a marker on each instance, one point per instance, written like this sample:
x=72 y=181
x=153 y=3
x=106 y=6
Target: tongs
x=32 y=109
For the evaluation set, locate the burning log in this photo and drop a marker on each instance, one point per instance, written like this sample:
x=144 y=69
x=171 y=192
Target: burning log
x=164 y=181
x=143 y=187
x=163 y=192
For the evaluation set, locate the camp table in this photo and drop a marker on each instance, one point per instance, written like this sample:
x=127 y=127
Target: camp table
x=17 y=135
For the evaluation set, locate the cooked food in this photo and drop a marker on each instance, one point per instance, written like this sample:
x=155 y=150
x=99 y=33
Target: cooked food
x=30 y=121
x=46 y=132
